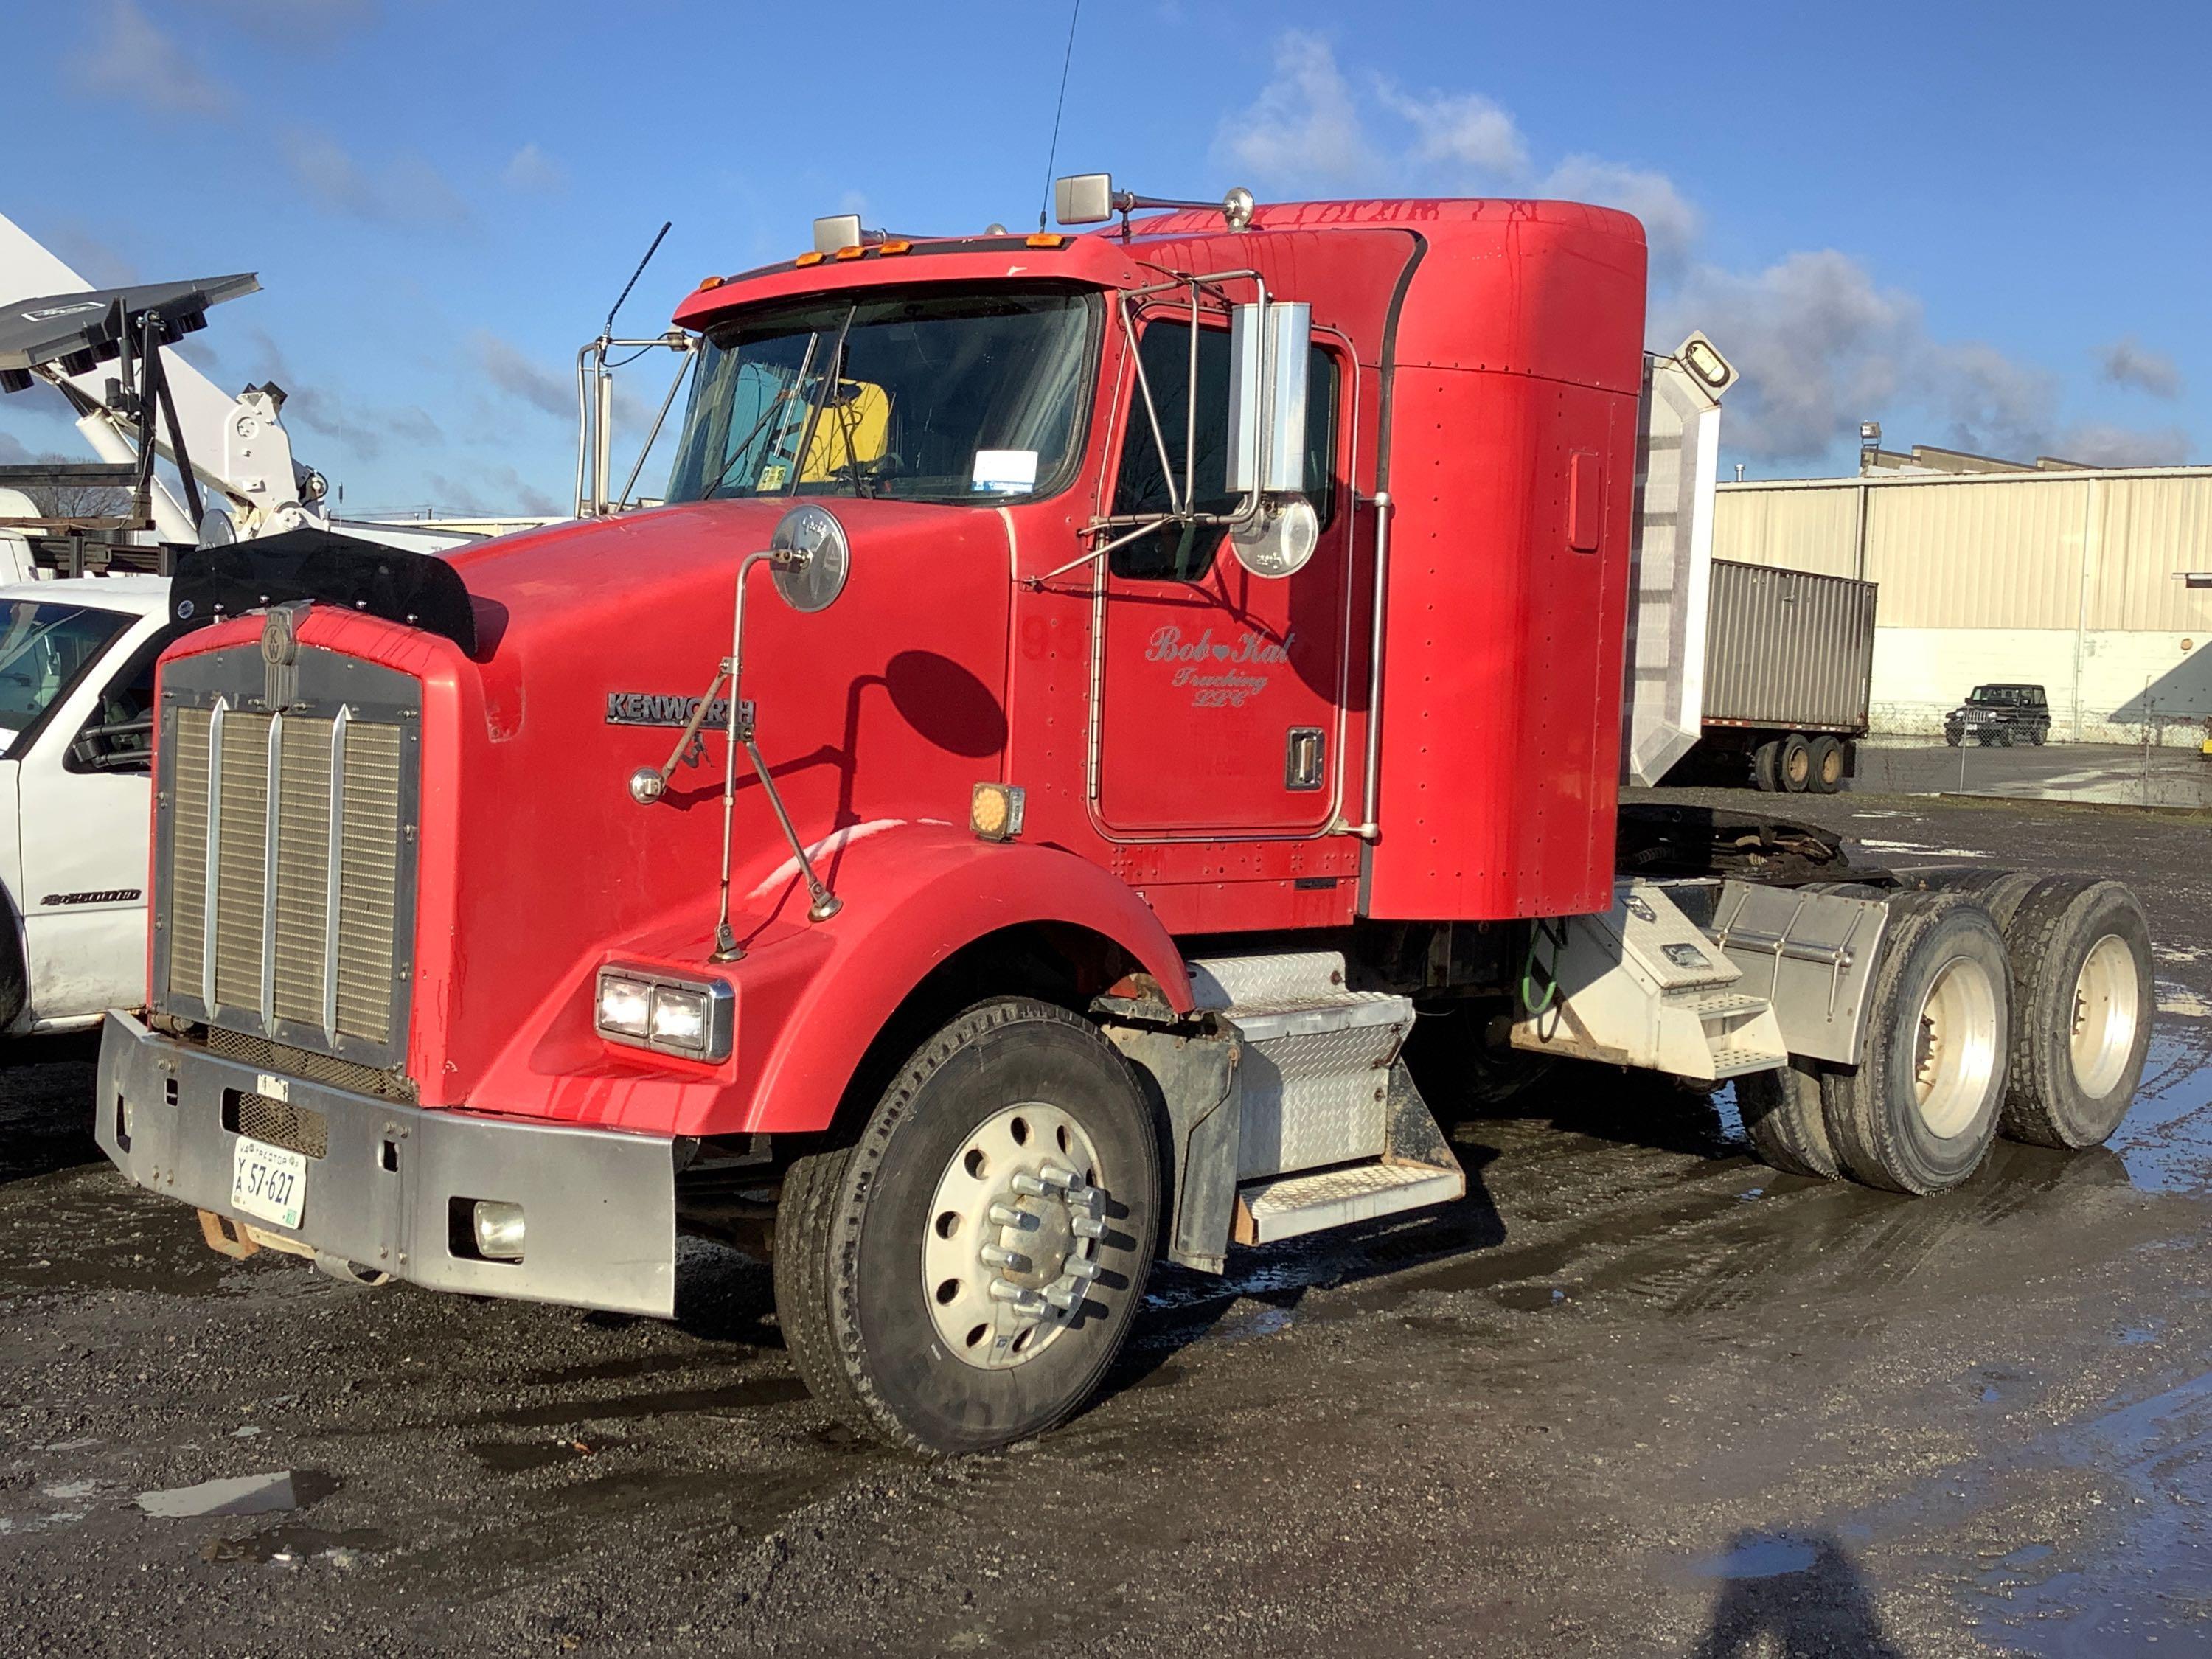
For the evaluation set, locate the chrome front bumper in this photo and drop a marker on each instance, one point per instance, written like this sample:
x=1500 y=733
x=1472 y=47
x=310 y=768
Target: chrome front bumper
x=391 y=1193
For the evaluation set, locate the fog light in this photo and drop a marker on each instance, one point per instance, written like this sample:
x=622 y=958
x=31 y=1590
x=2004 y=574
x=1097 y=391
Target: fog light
x=994 y=811
x=499 y=1230
x=624 y=1004
x=679 y=1018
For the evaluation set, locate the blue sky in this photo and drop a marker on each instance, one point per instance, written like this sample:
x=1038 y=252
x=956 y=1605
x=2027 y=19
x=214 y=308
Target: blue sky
x=1981 y=224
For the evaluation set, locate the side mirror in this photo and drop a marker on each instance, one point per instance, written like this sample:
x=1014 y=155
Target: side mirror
x=810 y=558
x=1083 y=198
x=1268 y=347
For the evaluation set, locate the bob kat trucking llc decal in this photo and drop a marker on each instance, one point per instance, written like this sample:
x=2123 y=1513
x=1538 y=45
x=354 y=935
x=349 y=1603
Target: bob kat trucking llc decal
x=1218 y=676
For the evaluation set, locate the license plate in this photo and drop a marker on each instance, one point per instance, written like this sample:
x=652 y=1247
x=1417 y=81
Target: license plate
x=268 y=1182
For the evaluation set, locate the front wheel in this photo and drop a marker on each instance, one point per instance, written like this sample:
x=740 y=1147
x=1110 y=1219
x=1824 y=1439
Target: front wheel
x=962 y=1275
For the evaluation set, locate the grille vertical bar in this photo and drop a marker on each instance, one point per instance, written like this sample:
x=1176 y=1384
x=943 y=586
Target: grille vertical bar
x=240 y=835
x=186 y=899
x=368 y=873
x=303 y=872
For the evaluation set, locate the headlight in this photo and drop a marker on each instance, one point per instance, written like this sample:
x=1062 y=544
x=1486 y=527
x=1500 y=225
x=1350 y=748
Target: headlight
x=625 y=1006
x=696 y=1019
x=679 y=1018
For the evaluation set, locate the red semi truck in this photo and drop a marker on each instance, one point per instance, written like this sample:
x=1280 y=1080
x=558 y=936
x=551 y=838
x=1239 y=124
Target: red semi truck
x=1084 y=696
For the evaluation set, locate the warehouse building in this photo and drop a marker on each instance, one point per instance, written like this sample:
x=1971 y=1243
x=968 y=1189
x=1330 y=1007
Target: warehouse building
x=2095 y=583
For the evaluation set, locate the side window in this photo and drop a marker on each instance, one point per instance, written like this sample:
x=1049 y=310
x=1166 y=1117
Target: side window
x=119 y=735
x=1141 y=486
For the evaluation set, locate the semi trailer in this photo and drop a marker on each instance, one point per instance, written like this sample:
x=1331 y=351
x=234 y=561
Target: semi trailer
x=1789 y=679
x=1087 y=696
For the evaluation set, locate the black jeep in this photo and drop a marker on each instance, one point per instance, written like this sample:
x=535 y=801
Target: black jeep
x=2000 y=713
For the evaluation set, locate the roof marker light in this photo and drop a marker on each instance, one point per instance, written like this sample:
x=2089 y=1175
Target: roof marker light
x=706 y=282
x=856 y=251
x=1046 y=239
x=810 y=258
x=883 y=250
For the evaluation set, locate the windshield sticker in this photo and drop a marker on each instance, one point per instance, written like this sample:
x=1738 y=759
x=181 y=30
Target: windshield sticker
x=1004 y=471
x=1218 y=676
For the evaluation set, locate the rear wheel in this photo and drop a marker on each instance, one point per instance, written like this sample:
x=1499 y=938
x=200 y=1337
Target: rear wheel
x=2038 y=735
x=1766 y=767
x=1796 y=762
x=962 y=1275
x=2082 y=996
x=1782 y=1114
x=2000 y=891
x=1918 y=1112
x=1827 y=760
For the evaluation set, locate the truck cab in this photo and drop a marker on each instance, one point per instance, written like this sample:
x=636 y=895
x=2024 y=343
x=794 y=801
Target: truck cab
x=76 y=692
x=1084 y=696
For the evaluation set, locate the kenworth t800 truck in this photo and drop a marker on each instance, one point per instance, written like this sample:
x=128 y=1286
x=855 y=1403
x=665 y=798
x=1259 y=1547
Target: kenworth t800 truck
x=1085 y=695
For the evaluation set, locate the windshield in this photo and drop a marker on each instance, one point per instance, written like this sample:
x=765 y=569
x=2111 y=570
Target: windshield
x=43 y=648
x=920 y=397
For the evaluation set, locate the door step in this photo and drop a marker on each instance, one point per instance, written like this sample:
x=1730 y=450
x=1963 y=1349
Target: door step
x=1287 y=1206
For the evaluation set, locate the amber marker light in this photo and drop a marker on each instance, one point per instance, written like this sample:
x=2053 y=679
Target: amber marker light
x=706 y=282
x=1047 y=238
x=994 y=811
x=854 y=251
x=809 y=257
x=884 y=250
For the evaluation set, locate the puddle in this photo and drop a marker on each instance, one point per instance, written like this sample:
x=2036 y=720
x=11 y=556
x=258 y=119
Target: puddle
x=1761 y=1558
x=243 y=1494
x=295 y=1546
x=2166 y=1140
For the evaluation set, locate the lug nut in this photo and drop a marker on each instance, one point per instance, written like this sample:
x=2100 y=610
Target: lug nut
x=1087 y=1226
x=1082 y=1267
x=1012 y=1261
x=1023 y=1301
x=1057 y=1176
x=1005 y=1215
x=1064 y=1296
x=1030 y=1186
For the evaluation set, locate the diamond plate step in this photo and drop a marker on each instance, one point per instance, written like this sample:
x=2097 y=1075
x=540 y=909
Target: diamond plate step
x=1739 y=1062
x=1291 y=1204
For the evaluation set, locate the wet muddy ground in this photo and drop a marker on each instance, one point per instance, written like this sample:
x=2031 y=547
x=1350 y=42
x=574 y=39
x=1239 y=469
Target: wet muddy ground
x=1636 y=1395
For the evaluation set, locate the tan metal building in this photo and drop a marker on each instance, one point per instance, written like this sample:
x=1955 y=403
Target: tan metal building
x=2086 y=582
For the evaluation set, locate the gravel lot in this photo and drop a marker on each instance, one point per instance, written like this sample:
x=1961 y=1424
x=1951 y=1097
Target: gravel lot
x=1635 y=1394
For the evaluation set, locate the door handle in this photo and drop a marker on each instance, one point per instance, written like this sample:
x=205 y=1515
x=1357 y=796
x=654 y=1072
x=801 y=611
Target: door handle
x=1304 y=758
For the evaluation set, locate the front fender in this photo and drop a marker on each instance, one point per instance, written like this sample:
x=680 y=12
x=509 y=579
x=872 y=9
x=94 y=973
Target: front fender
x=911 y=897
x=810 y=998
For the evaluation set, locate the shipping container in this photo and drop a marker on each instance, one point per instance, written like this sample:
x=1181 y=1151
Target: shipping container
x=1789 y=674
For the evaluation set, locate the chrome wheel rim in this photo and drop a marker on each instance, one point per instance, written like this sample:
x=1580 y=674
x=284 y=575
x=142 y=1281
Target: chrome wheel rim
x=1011 y=1243
x=2107 y=1009
x=1954 y=1047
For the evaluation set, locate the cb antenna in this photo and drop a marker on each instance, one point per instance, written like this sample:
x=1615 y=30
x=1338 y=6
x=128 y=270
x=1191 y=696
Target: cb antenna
x=609 y=329
x=1051 y=154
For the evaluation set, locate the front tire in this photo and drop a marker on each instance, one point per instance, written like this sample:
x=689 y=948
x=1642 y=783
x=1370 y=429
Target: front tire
x=1919 y=1111
x=1015 y=1130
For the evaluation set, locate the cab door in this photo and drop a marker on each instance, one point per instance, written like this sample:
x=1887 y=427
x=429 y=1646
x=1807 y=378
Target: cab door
x=1221 y=692
x=84 y=809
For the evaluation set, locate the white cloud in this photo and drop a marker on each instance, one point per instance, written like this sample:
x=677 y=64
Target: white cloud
x=521 y=376
x=1823 y=346
x=2127 y=362
x=1304 y=130
x=130 y=55
x=403 y=191
x=1464 y=130
x=531 y=168
x=1671 y=223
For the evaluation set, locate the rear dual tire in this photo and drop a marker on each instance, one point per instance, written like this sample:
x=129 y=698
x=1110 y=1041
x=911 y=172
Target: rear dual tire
x=2082 y=982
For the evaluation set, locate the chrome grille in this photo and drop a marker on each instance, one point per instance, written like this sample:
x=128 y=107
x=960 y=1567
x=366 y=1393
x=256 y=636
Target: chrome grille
x=264 y=1055
x=286 y=860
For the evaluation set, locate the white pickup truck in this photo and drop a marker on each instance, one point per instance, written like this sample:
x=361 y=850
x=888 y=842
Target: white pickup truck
x=77 y=689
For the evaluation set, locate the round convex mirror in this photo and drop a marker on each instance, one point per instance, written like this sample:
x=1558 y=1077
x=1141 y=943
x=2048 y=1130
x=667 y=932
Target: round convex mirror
x=1279 y=541
x=812 y=557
